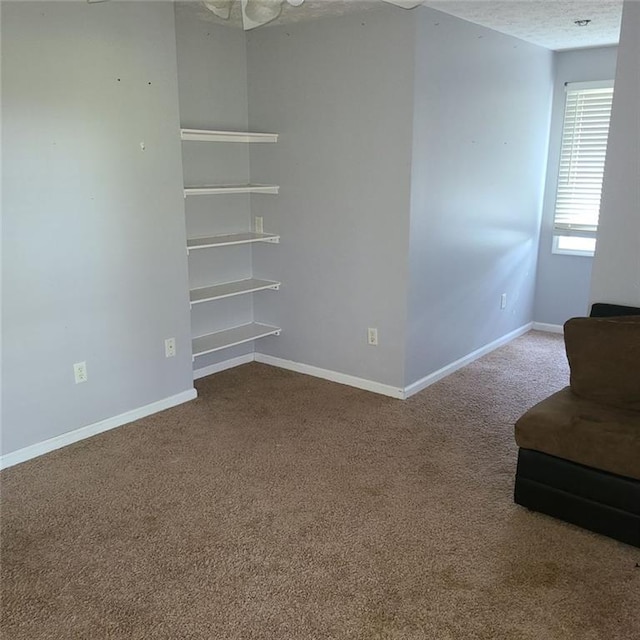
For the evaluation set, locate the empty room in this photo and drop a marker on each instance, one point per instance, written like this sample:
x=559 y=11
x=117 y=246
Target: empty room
x=320 y=319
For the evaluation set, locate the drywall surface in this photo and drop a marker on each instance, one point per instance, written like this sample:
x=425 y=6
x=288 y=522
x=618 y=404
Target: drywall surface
x=616 y=268
x=563 y=282
x=339 y=93
x=212 y=84
x=94 y=266
x=481 y=121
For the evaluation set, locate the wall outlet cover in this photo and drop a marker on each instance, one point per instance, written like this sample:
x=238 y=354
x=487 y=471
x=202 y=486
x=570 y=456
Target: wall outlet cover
x=80 y=372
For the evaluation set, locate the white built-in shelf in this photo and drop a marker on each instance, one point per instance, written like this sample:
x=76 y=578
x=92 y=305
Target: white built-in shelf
x=229 y=289
x=226 y=189
x=205 y=135
x=226 y=241
x=220 y=340
x=231 y=338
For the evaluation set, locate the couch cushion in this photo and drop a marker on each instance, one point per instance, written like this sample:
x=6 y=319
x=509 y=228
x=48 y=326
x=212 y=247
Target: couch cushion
x=582 y=431
x=604 y=357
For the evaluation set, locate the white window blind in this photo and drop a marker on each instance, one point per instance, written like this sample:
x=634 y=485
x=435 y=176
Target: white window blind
x=584 y=146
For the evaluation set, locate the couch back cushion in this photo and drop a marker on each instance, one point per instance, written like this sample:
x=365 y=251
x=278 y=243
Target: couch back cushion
x=604 y=357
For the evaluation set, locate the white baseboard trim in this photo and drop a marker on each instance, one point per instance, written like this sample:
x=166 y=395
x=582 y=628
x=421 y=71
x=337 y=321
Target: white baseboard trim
x=333 y=376
x=223 y=366
x=40 y=448
x=549 y=328
x=432 y=378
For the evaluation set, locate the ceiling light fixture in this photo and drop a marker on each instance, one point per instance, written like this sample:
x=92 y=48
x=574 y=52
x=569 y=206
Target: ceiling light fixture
x=581 y=23
x=255 y=13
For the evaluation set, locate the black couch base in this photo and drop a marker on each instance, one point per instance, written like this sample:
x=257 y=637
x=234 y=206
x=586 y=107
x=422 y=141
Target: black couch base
x=595 y=500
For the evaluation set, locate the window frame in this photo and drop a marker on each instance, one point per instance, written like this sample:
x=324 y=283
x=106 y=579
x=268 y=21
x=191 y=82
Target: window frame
x=560 y=232
x=555 y=248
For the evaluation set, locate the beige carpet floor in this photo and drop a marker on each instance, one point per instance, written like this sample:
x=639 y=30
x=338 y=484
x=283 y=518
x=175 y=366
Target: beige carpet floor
x=279 y=506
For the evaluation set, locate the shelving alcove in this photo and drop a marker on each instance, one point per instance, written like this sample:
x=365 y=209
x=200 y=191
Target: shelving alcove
x=236 y=335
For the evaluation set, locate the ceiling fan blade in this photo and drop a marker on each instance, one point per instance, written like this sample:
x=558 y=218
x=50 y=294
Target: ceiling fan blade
x=221 y=8
x=405 y=4
x=255 y=13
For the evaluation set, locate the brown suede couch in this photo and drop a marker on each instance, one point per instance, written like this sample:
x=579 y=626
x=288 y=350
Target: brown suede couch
x=579 y=456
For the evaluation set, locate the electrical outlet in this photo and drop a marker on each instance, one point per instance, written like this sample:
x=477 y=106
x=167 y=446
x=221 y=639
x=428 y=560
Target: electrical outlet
x=169 y=347
x=80 y=372
x=258 y=224
x=503 y=301
x=372 y=336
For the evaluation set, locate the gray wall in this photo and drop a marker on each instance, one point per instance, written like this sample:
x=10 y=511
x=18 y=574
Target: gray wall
x=482 y=109
x=616 y=269
x=562 y=286
x=339 y=93
x=212 y=84
x=94 y=266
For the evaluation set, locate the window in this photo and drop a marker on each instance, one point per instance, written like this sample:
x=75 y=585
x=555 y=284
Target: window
x=582 y=155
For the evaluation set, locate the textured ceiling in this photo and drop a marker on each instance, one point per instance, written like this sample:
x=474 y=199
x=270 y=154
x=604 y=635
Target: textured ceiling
x=547 y=23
